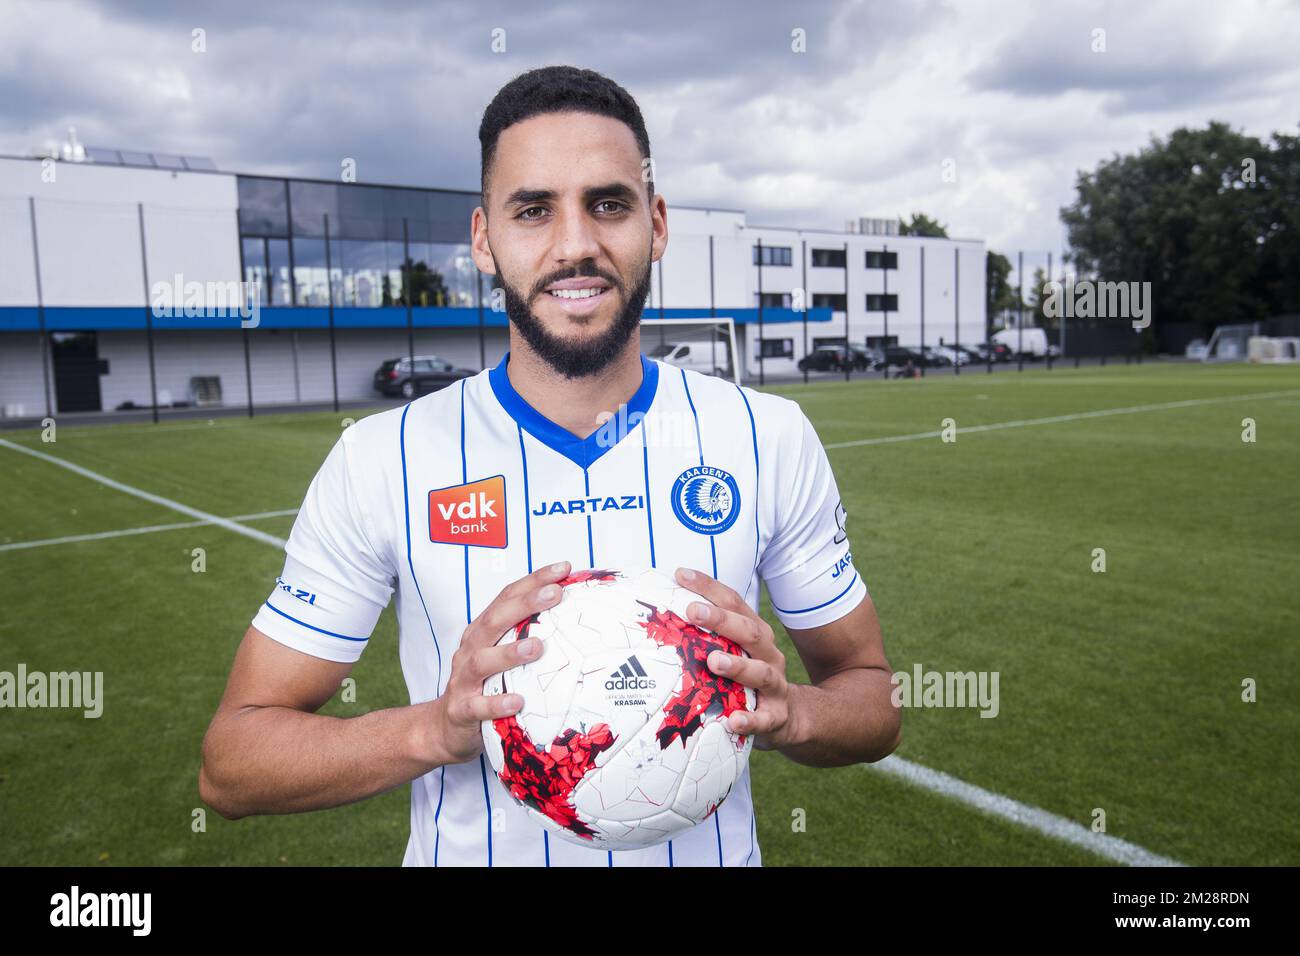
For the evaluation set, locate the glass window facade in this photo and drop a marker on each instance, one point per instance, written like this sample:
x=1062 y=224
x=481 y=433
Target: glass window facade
x=878 y=302
x=282 y=224
x=882 y=260
x=828 y=258
x=773 y=255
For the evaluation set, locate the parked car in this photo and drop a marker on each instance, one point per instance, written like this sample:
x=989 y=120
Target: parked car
x=935 y=357
x=864 y=359
x=900 y=355
x=825 y=358
x=982 y=350
x=711 y=358
x=396 y=377
x=955 y=356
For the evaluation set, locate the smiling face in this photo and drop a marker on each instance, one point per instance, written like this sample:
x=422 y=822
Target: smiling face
x=572 y=236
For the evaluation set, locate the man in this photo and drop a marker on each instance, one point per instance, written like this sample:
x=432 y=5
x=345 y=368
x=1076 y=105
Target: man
x=569 y=225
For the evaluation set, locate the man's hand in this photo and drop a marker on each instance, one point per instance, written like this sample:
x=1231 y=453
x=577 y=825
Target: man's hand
x=456 y=732
x=774 y=721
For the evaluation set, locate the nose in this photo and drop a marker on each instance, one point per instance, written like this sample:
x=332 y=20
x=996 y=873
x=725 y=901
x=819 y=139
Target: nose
x=575 y=237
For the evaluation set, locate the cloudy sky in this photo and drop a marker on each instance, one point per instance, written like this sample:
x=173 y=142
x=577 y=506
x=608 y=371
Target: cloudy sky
x=1012 y=97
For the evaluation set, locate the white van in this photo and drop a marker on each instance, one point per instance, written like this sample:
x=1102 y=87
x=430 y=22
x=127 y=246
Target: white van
x=709 y=358
x=1031 y=342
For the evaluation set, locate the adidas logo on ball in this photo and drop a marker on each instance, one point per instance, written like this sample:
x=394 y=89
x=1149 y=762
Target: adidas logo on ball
x=631 y=676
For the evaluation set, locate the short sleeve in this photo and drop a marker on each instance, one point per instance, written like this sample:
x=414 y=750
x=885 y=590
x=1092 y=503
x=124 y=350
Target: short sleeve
x=335 y=583
x=807 y=565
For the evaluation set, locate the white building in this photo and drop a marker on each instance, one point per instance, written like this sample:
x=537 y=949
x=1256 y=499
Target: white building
x=86 y=243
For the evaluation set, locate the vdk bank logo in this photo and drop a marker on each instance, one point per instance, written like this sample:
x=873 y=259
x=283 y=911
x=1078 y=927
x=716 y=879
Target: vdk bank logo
x=473 y=513
x=706 y=499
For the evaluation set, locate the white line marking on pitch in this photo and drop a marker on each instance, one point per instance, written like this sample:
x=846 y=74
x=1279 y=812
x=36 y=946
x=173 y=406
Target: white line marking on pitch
x=155 y=499
x=1033 y=818
x=149 y=529
x=1054 y=419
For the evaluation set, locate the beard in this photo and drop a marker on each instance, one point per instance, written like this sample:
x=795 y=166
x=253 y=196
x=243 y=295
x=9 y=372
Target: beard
x=577 y=358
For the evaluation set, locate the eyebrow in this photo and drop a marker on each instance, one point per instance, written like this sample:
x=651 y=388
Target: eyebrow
x=615 y=190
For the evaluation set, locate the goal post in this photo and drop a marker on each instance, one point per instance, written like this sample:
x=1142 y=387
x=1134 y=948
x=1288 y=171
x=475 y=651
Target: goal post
x=1230 y=343
x=706 y=344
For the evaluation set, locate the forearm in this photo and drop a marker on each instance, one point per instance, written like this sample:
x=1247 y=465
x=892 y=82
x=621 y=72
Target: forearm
x=280 y=760
x=847 y=718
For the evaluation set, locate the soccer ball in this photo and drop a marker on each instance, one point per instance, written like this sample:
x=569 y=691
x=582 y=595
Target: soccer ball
x=621 y=742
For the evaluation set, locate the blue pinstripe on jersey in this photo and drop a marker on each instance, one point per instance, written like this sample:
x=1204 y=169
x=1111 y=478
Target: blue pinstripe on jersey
x=528 y=535
x=406 y=501
x=482 y=758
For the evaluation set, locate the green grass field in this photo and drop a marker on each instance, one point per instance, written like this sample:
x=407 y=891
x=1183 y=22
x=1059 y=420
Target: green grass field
x=1120 y=691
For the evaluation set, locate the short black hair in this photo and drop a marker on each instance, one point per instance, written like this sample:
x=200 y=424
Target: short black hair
x=557 y=89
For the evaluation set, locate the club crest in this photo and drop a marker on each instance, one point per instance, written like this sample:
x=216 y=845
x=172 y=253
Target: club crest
x=706 y=499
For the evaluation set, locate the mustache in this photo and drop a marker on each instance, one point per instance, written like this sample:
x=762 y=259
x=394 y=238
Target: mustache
x=593 y=273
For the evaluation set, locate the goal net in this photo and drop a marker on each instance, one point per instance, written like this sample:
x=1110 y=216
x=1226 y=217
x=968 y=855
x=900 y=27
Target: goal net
x=706 y=344
x=1230 y=343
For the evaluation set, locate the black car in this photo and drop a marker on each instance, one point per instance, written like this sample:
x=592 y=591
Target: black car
x=899 y=355
x=864 y=359
x=827 y=358
x=431 y=373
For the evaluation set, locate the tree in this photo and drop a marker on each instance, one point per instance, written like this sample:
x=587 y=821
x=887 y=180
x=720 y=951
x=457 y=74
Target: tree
x=1207 y=216
x=427 y=285
x=922 y=225
x=998 y=293
x=1035 y=299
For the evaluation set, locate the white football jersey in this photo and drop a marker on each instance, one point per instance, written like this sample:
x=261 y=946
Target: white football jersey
x=454 y=496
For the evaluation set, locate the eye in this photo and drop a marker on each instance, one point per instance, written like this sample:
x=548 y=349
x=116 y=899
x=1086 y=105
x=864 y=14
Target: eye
x=619 y=207
x=527 y=218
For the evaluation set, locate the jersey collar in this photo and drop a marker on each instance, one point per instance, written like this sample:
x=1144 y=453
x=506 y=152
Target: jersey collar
x=581 y=451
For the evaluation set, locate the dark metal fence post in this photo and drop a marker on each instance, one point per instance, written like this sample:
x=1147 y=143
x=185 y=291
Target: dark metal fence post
x=1060 y=312
x=848 y=354
x=922 y=309
x=406 y=297
x=1020 y=311
x=40 y=309
x=329 y=297
x=956 y=310
x=248 y=362
x=761 y=379
x=806 y=304
x=148 y=315
x=884 y=293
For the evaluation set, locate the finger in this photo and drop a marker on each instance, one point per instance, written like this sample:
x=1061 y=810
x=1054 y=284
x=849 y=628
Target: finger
x=506 y=612
x=757 y=674
x=709 y=587
x=747 y=630
x=752 y=722
x=487 y=661
x=548 y=574
x=476 y=708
